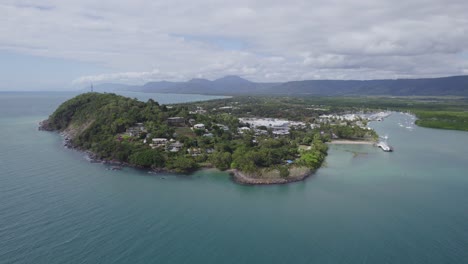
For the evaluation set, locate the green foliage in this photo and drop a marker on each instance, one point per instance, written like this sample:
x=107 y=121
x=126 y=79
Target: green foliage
x=221 y=160
x=147 y=158
x=443 y=119
x=283 y=171
x=268 y=153
x=199 y=132
x=182 y=164
x=314 y=157
x=97 y=118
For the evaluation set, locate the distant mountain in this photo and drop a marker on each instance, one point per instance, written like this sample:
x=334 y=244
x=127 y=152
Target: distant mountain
x=194 y=86
x=232 y=79
x=235 y=85
x=228 y=85
x=156 y=87
x=455 y=85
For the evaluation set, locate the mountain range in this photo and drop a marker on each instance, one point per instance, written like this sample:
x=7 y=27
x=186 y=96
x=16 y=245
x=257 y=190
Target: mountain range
x=235 y=85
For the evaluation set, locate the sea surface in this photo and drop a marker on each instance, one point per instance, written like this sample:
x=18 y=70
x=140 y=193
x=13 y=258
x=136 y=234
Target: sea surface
x=363 y=206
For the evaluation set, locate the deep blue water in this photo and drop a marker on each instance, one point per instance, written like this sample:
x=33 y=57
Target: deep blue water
x=364 y=206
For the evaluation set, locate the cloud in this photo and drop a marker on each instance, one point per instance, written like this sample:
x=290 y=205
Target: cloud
x=122 y=76
x=261 y=40
x=128 y=77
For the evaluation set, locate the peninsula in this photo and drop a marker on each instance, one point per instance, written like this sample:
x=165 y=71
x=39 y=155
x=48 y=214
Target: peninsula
x=268 y=145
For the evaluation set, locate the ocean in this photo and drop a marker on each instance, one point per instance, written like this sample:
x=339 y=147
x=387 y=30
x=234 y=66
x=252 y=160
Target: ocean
x=363 y=206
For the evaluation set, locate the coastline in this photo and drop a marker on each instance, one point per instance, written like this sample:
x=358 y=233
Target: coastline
x=90 y=156
x=252 y=179
x=298 y=173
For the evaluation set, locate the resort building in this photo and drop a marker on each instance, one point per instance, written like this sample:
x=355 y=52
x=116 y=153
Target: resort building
x=136 y=130
x=199 y=126
x=175 y=147
x=158 y=142
x=176 y=121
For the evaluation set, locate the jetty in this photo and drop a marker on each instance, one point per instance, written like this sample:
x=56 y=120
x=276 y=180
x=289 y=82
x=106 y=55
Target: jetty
x=384 y=146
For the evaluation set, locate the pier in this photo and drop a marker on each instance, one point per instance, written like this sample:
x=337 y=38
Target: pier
x=384 y=146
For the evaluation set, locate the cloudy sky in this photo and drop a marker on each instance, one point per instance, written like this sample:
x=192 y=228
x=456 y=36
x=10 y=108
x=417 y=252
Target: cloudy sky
x=64 y=44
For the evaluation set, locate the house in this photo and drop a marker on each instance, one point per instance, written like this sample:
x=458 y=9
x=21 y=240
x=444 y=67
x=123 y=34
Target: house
x=133 y=132
x=136 y=130
x=297 y=124
x=209 y=150
x=176 y=121
x=199 y=126
x=194 y=151
x=175 y=147
x=223 y=127
x=259 y=132
x=243 y=129
x=199 y=110
x=158 y=142
x=208 y=135
x=281 y=132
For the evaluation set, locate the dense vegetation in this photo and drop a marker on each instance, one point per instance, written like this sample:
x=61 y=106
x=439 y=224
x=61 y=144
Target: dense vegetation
x=95 y=122
x=101 y=123
x=443 y=119
x=434 y=112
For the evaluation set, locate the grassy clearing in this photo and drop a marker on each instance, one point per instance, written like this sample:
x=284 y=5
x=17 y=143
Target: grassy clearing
x=185 y=131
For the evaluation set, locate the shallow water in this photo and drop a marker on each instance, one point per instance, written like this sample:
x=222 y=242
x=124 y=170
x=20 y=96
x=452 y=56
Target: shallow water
x=364 y=206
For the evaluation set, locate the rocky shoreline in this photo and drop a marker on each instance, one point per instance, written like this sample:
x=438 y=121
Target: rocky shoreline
x=45 y=126
x=67 y=142
x=67 y=136
x=246 y=179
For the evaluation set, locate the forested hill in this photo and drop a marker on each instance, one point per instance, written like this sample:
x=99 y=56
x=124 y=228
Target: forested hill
x=92 y=120
x=100 y=123
x=94 y=110
x=234 y=85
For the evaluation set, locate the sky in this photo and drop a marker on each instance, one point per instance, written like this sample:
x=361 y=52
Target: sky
x=68 y=44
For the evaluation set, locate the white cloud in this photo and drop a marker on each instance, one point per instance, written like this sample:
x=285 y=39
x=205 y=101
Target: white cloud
x=297 y=39
x=122 y=76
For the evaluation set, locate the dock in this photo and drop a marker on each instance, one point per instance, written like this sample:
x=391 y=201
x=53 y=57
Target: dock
x=384 y=146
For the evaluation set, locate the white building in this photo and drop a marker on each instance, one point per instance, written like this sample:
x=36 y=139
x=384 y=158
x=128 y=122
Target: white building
x=243 y=129
x=158 y=142
x=199 y=126
x=267 y=122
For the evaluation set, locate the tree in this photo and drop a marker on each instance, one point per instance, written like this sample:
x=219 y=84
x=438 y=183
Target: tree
x=284 y=171
x=147 y=158
x=182 y=164
x=221 y=160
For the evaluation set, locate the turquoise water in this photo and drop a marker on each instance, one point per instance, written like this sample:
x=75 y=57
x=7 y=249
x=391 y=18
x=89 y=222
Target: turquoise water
x=364 y=206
